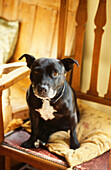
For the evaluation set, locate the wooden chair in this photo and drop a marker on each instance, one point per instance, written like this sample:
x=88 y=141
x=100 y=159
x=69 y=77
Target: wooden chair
x=41 y=158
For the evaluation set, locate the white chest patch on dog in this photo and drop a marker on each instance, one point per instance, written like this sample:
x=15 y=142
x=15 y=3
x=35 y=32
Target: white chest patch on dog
x=46 y=111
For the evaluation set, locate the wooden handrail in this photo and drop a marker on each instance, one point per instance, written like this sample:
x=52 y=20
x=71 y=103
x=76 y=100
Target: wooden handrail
x=13 y=77
x=94 y=98
x=6 y=68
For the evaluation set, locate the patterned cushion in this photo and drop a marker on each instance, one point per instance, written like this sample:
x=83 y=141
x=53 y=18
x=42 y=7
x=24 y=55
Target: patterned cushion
x=16 y=138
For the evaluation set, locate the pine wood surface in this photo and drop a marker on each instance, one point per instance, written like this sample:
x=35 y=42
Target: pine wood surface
x=39 y=25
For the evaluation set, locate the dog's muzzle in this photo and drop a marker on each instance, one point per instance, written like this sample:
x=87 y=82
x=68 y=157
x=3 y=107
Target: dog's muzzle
x=43 y=92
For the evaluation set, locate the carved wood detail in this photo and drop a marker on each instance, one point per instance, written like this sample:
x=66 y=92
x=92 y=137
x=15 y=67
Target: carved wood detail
x=100 y=21
x=81 y=18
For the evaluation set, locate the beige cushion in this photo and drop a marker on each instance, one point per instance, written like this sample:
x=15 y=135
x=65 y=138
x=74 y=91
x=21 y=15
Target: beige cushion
x=8 y=39
x=94 y=135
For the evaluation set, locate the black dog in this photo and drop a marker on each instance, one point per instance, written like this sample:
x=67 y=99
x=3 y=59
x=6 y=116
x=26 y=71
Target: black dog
x=52 y=102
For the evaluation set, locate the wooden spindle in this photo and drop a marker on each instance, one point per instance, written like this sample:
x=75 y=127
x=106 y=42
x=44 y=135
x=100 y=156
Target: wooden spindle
x=62 y=28
x=1 y=120
x=108 y=95
x=100 y=21
x=81 y=18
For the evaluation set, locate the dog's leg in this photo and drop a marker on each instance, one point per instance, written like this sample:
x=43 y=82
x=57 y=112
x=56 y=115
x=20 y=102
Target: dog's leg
x=76 y=105
x=34 y=118
x=74 y=144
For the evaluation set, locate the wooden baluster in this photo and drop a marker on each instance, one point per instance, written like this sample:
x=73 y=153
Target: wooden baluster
x=108 y=95
x=81 y=18
x=100 y=21
x=1 y=121
x=62 y=28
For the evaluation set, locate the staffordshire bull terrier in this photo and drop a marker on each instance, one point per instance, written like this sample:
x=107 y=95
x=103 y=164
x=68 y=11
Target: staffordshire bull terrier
x=52 y=102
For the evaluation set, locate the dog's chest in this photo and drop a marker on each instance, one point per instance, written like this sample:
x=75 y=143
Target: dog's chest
x=46 y=111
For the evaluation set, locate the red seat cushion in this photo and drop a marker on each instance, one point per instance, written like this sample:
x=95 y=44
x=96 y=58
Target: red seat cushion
x=16 y=138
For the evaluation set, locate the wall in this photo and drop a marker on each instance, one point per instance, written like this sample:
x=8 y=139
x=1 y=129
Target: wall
x=39 y=25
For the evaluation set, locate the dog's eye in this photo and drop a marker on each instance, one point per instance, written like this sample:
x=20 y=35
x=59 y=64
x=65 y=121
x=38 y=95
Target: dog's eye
x=36 y=71
x=55 y=74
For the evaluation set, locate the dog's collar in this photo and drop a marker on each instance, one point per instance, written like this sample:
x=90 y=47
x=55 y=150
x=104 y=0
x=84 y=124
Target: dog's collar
x=57 y=97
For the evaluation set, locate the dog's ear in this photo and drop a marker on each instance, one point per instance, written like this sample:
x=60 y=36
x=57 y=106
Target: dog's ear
x=68 y=63
x=29 y=59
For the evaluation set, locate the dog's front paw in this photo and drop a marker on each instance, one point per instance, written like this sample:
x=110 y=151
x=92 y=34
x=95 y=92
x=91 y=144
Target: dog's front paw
x=28 y=144
x=39 y=143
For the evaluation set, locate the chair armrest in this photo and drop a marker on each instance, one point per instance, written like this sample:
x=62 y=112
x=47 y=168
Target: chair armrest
x=7 y=81
x=6 y=68
x=13 y=77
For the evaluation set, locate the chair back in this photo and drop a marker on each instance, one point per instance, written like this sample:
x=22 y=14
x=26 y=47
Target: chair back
x=92 y=93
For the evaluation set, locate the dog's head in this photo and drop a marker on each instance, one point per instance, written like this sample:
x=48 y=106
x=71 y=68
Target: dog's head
x=47 y=74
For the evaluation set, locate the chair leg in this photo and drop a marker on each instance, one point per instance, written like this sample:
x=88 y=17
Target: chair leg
x=7 y=108
x=2 y=162
x=109 y=162
x=7 y=163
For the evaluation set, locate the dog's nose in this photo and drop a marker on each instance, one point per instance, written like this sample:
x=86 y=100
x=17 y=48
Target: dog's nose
x=42 y=88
